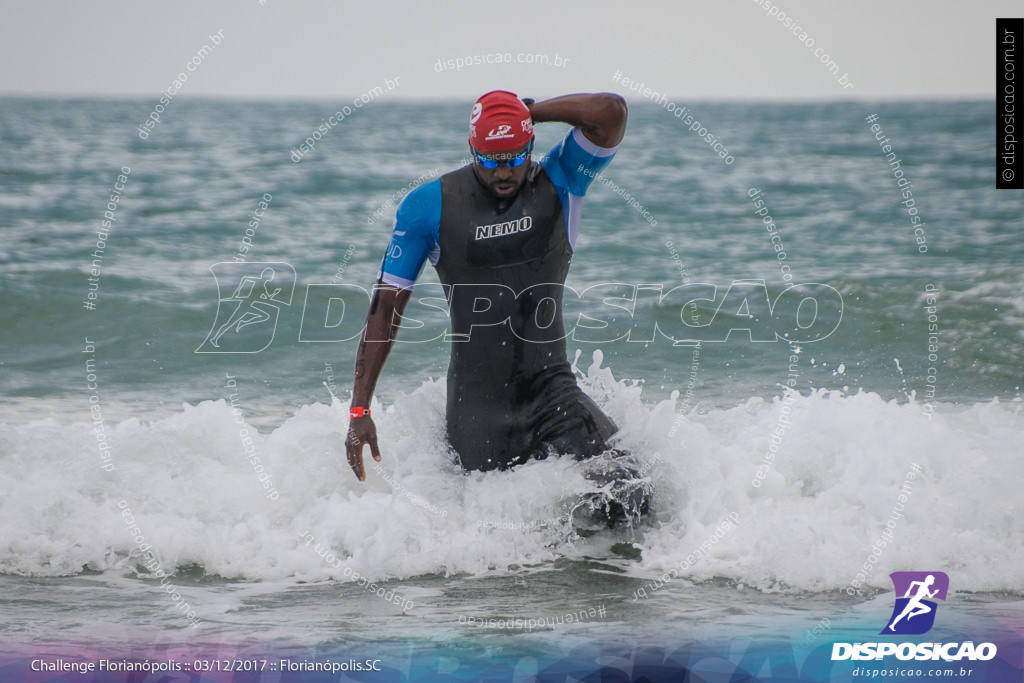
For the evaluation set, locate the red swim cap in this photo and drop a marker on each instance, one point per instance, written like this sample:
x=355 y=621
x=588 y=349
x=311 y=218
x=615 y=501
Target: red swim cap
x=499 y=122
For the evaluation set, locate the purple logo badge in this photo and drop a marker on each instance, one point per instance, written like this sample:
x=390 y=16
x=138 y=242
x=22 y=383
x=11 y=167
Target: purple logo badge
x=916 y=593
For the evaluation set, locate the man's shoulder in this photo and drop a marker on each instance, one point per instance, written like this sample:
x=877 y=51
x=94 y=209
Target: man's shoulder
x=422 y=202
x=461 y=174
x=423 y=192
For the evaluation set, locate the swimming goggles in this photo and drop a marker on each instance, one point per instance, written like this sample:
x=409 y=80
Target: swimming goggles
x=514 y=162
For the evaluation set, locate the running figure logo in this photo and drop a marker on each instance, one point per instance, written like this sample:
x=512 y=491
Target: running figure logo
x=914 y=613
x=247 y=318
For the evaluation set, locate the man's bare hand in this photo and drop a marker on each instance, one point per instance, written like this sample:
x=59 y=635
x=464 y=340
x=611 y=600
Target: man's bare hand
x=361 y=431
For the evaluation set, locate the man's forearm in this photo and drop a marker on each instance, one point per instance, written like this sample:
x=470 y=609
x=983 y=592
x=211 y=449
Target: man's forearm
x=601 y=116
x=382 y=323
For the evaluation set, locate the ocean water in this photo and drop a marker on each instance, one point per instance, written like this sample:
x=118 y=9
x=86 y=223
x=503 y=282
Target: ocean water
x=779 y=467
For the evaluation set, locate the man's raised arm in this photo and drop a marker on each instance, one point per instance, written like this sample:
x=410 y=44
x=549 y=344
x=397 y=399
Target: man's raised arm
x=601 y=116
x=382 y=323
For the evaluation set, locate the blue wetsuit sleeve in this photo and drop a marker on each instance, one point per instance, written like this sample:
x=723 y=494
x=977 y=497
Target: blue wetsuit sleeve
x=414 y=238
x=573 y=163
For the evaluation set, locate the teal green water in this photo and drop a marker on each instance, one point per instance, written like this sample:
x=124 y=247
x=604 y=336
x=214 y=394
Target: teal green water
x=193 y=186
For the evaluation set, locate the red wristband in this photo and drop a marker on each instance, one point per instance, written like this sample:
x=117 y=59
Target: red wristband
x=358 y=412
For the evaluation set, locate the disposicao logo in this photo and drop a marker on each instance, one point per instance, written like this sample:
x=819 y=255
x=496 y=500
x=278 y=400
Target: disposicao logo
x=914 y=614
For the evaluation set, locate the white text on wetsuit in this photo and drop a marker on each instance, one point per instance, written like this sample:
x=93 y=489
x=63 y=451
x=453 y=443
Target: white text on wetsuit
x=507 y=228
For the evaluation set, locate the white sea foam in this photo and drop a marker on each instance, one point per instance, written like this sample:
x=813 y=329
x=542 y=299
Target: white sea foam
x=825 y=499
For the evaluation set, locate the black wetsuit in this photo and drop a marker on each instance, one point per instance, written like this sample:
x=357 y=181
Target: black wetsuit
x=511 y=393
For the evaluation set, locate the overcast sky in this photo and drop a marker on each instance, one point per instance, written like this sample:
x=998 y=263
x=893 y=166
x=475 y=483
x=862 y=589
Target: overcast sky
x=326 y=48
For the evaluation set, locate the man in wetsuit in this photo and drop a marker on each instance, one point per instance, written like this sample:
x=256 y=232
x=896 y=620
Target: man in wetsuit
x=500 y=233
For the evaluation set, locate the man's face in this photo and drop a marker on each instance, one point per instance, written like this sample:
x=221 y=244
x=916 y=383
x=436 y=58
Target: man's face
x=503 y=182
